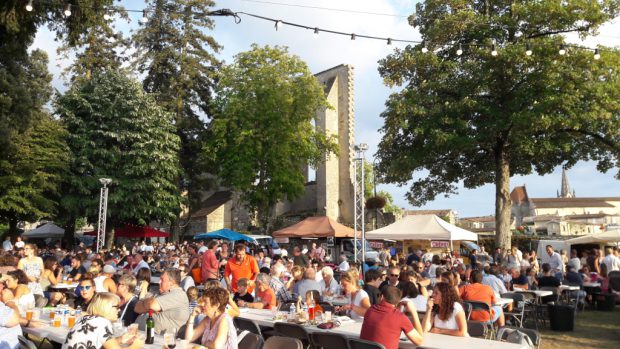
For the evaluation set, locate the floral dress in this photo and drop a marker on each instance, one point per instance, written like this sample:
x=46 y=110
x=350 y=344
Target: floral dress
x=33 y=269
x=89 y=332
x=211 y=331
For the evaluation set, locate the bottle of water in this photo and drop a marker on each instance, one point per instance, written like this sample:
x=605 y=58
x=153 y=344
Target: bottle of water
x=78 y=311
x=292 y=314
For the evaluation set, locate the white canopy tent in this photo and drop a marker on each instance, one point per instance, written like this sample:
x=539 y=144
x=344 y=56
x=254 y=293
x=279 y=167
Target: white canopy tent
x=422 y=227
x=48 y=230
x=598 y=238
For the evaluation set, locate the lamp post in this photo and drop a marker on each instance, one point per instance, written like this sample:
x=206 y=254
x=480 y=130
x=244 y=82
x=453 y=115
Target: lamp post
x=358 y=191
x=103 y=212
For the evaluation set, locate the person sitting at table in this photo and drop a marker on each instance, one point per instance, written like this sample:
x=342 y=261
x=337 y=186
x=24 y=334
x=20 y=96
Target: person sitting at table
x=170 y=308
x=242 y=292
x=265 y=297
x=478 y=292
x=372 y=280
x=329 y=285
x=85 y=291
x=17 y=290
x=450 y=278
x=143 y=278
x=444 y=312
x=216 y=330
x=359 y=298
x=276 y=284
x=52 y=275
x=77 y=269
x=232 y=309
x=548 y=279
x=384 y=322
x=519 y=279
x=94 y=330
x=413 y=293
x=104 y=282
x=307 y=283
x=392 y=277
x=9 y=327
x=585 y=273
x=532 y=279
x=126 y=292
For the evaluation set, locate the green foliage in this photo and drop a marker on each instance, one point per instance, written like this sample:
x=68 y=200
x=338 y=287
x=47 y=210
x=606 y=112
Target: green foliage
x=389 y=207
x=263 y=133
x=117 y=131
x=479 y=119
x=369 y=180
x=176 y=55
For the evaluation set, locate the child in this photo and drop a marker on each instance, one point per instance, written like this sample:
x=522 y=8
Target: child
x=192 y=295
x=242 y=292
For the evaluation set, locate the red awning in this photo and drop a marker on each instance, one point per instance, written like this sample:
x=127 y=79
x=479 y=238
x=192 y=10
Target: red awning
x=135 y=232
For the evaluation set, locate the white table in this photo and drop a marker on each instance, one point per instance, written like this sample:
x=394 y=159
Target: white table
x=353 y=329
x=503 y=301
x=563 y=288
x=592 y=284
x=538 y=293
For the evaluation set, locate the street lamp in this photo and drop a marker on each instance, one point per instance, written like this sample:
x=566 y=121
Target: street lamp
x=358 y=192
x=103 y=212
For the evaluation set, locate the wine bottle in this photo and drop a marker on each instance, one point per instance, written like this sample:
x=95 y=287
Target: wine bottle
x=150 y=328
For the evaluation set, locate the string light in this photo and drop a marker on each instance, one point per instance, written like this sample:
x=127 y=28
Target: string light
x=144 y=18
x=67 y=11
x=389 y=41
x=493 y=51
x=278 y=24
x=562 y=51
x=424 y=49
x=106 y=16
x=29 y=7
x=316 y=32
x=353 y=36
x=460 y=50
x=528 y=50
x=597 y=54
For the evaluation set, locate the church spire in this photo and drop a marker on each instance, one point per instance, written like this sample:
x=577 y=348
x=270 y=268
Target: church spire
x=565 y=191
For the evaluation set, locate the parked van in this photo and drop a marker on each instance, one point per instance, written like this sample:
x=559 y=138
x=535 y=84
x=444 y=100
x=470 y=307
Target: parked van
x=268 y=244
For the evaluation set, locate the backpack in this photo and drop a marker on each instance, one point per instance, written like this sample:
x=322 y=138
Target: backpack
x=519 y=337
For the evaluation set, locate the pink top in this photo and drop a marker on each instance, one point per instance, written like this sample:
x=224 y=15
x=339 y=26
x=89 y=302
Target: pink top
x=210 y=266
x=211 y=331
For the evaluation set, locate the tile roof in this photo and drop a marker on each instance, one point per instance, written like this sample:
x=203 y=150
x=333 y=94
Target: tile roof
x=519 y=195
x=573 y=202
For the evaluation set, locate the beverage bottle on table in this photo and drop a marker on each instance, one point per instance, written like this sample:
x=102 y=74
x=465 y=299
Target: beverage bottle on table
x=150 y=328
x=78 y=311
x=311 y=308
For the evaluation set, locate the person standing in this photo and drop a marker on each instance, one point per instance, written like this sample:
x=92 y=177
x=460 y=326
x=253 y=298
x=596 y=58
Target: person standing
x=383 y=322
x=299 y=258
x=33 y=266
x=210 y=266
x=19 y=243
x=7 y=245
x=555 y=262
x=240 y=266
x=612 y=262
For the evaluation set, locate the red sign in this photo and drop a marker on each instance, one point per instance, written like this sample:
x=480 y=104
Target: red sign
x=376 y=244
x=440 y=244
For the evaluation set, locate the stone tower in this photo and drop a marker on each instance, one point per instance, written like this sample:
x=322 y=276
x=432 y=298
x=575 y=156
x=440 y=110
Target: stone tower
x=565 y=191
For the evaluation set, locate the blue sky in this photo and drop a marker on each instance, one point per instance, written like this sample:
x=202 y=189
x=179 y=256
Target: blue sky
x=326 y=51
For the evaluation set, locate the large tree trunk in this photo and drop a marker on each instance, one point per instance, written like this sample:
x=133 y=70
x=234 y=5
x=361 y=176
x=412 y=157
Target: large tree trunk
x=502 y=199
x=109 y=238
x=13 y=227
x=68 y=239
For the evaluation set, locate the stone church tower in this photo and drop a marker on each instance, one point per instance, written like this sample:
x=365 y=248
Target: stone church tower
x=565 y=189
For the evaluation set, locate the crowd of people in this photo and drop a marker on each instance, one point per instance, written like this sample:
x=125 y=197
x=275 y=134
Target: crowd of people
x=116 y=285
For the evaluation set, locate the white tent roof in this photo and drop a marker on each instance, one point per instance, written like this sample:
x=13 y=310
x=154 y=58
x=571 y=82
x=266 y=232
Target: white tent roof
x=598 y=238
x=47 y=230
x=422 y=227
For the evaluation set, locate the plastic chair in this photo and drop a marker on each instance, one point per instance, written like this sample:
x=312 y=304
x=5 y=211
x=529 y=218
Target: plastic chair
x=485 y=307
x=467 y=308
x=356 y=343
x=533 y=334
x=277 y=342
x=518 y=310
x=251 y=341
x=247 y=325
x=325 y=340
x=477 y=329
x=25 y=343
x=285 y=329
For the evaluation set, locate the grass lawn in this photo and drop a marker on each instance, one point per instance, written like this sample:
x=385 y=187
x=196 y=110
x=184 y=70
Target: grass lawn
x=593 y=329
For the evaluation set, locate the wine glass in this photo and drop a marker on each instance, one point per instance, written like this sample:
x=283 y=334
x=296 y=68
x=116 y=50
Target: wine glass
x=170 y=340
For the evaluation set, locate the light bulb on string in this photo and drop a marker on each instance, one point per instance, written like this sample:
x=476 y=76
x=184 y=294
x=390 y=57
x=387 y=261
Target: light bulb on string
x=278 y=25
x=353 y=36
x=316 y=32
x=460 y=50
x=597 y=54
x=106 y=16
x=528 y=50
x=67 y=10
x=493 y=50
x=29 y=6
x=562 y=50
x=144 y=18
x=424 y=49
x=389 y=41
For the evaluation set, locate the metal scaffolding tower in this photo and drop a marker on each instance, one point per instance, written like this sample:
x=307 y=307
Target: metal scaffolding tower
x=358 y=207
x=103 y=212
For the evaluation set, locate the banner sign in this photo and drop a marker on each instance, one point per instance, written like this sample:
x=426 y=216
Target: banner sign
x=440 y=244
x=376 y=244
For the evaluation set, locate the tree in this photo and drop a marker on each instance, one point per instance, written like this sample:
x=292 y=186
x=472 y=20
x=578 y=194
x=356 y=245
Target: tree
x=117 y=131
x=389 y=207
x=262 y=132
x=480 y=118
x=176 y=55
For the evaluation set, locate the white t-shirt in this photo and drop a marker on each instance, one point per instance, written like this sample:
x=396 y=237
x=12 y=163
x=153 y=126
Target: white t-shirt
x=450 y=323
x=357 y=301
x=20 y=244
x=419 y=302
x=612 y=262
x=344 y=266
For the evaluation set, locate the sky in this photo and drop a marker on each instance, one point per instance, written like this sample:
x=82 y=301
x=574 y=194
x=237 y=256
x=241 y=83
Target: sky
x=382 y=18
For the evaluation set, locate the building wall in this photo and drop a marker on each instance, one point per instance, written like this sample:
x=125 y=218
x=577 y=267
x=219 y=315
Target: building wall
x=566 y=211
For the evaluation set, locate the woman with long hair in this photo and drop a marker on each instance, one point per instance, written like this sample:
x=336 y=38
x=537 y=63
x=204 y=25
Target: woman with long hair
x=52 y=274
x=216 y=330
x=144 y=280
x=33 y=266
x=444 y=312
x=17 y=290
x=452 y=279
x=95 y=330
x=360 y=302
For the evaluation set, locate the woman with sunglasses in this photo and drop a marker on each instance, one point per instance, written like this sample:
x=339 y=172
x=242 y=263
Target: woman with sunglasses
x=86 y=292
x=17 y=290
x=95 y=330
x=33 y=266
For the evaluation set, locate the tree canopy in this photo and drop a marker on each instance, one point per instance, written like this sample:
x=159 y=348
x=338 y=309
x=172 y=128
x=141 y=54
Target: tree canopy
x=481 y=117
x=262 y=131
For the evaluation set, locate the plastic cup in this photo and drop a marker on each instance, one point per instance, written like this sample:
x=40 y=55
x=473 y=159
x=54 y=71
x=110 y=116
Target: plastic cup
x=132 y=329
x=52 y=313
x=71 y=321
x=29 y=314
x=327 y=316
x=56 y=322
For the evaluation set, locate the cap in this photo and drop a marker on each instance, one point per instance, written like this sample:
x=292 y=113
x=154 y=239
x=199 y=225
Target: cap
x=108 y=269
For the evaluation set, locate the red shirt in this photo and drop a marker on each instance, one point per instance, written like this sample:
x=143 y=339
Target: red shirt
x=383 y=323
x=268 y=298
x=210 y=265
x=480 y=293
x=246 y=269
